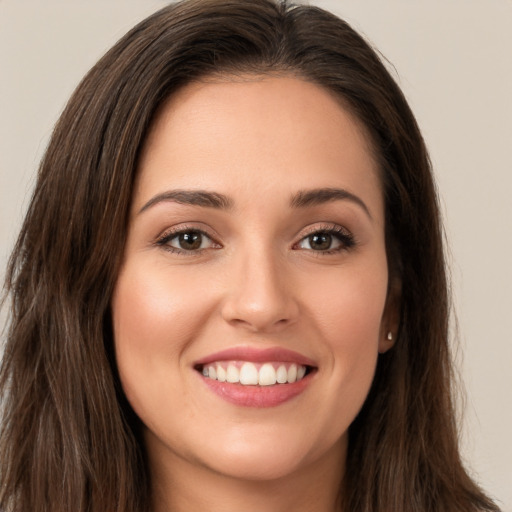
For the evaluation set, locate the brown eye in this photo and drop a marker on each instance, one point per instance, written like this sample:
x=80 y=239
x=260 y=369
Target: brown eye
x=327 y=241
x=189 y=241
x=320 y=241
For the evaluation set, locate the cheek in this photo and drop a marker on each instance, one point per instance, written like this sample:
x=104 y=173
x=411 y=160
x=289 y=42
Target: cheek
x=155 y=310
x=349 y=304
x=154 y=319
x=348 y=310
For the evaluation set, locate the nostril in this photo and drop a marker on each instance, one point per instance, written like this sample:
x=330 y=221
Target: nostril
x=259 y=321
x=259 y=302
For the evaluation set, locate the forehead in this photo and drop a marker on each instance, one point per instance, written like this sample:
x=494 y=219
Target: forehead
x=256 y=133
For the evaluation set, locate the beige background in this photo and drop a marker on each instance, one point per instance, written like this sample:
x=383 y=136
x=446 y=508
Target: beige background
x=454 y=62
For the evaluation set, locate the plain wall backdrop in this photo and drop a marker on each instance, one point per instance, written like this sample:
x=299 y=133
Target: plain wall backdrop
x=453 y=59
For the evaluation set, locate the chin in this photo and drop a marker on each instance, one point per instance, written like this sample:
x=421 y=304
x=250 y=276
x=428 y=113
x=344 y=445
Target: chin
x=262 y=466
x=267 y=456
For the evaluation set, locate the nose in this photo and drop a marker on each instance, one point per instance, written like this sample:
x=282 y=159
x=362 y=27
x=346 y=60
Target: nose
x=261 y=296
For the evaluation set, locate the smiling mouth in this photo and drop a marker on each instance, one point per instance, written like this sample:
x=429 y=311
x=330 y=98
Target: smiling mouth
x=249 y=373
x=256 y=377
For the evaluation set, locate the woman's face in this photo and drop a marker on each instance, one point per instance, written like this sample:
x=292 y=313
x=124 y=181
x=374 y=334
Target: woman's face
x=255 y=252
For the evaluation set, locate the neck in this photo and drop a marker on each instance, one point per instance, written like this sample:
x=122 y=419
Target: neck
x=181 y=486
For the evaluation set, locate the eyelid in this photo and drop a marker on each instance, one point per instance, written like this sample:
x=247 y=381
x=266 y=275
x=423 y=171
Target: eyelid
x=166 y=236
x=345 y=237
x=324 y=226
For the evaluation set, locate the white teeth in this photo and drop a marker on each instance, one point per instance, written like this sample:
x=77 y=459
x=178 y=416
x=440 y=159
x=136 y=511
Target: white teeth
x=267 y=375
x=292 y=373
x=232 y=374
x=248 y=374
x=281 y=374
x=221 y=374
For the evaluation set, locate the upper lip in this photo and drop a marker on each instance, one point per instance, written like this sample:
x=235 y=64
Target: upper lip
x=256 y=355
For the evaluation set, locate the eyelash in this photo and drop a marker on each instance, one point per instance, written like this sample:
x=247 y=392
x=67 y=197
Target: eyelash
x=168 y=236
x=342 y=235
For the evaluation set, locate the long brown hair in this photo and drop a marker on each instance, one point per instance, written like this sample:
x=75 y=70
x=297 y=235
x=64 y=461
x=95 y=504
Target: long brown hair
x=69 y=440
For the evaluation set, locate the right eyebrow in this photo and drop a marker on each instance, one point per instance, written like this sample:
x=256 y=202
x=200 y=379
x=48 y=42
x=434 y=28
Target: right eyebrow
x=305 y=198
x=202 y=198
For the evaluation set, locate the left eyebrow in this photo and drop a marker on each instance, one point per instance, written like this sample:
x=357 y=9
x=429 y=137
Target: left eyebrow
x=317 y=196
x=192 y=197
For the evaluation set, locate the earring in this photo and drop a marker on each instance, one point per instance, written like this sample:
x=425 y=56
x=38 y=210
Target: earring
x=390 y=336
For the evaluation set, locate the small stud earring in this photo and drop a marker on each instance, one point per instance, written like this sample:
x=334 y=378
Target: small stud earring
x=390 y=336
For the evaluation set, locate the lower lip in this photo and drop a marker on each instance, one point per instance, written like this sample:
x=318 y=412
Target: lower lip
x=257 y=396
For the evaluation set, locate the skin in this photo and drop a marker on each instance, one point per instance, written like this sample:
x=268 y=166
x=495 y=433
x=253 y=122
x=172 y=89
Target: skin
x=258 y=283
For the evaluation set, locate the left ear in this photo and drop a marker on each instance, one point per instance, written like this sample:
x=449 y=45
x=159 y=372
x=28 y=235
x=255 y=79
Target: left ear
x=391 y=317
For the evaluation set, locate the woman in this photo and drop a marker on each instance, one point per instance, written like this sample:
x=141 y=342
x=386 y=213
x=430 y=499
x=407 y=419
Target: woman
x=229 y=291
